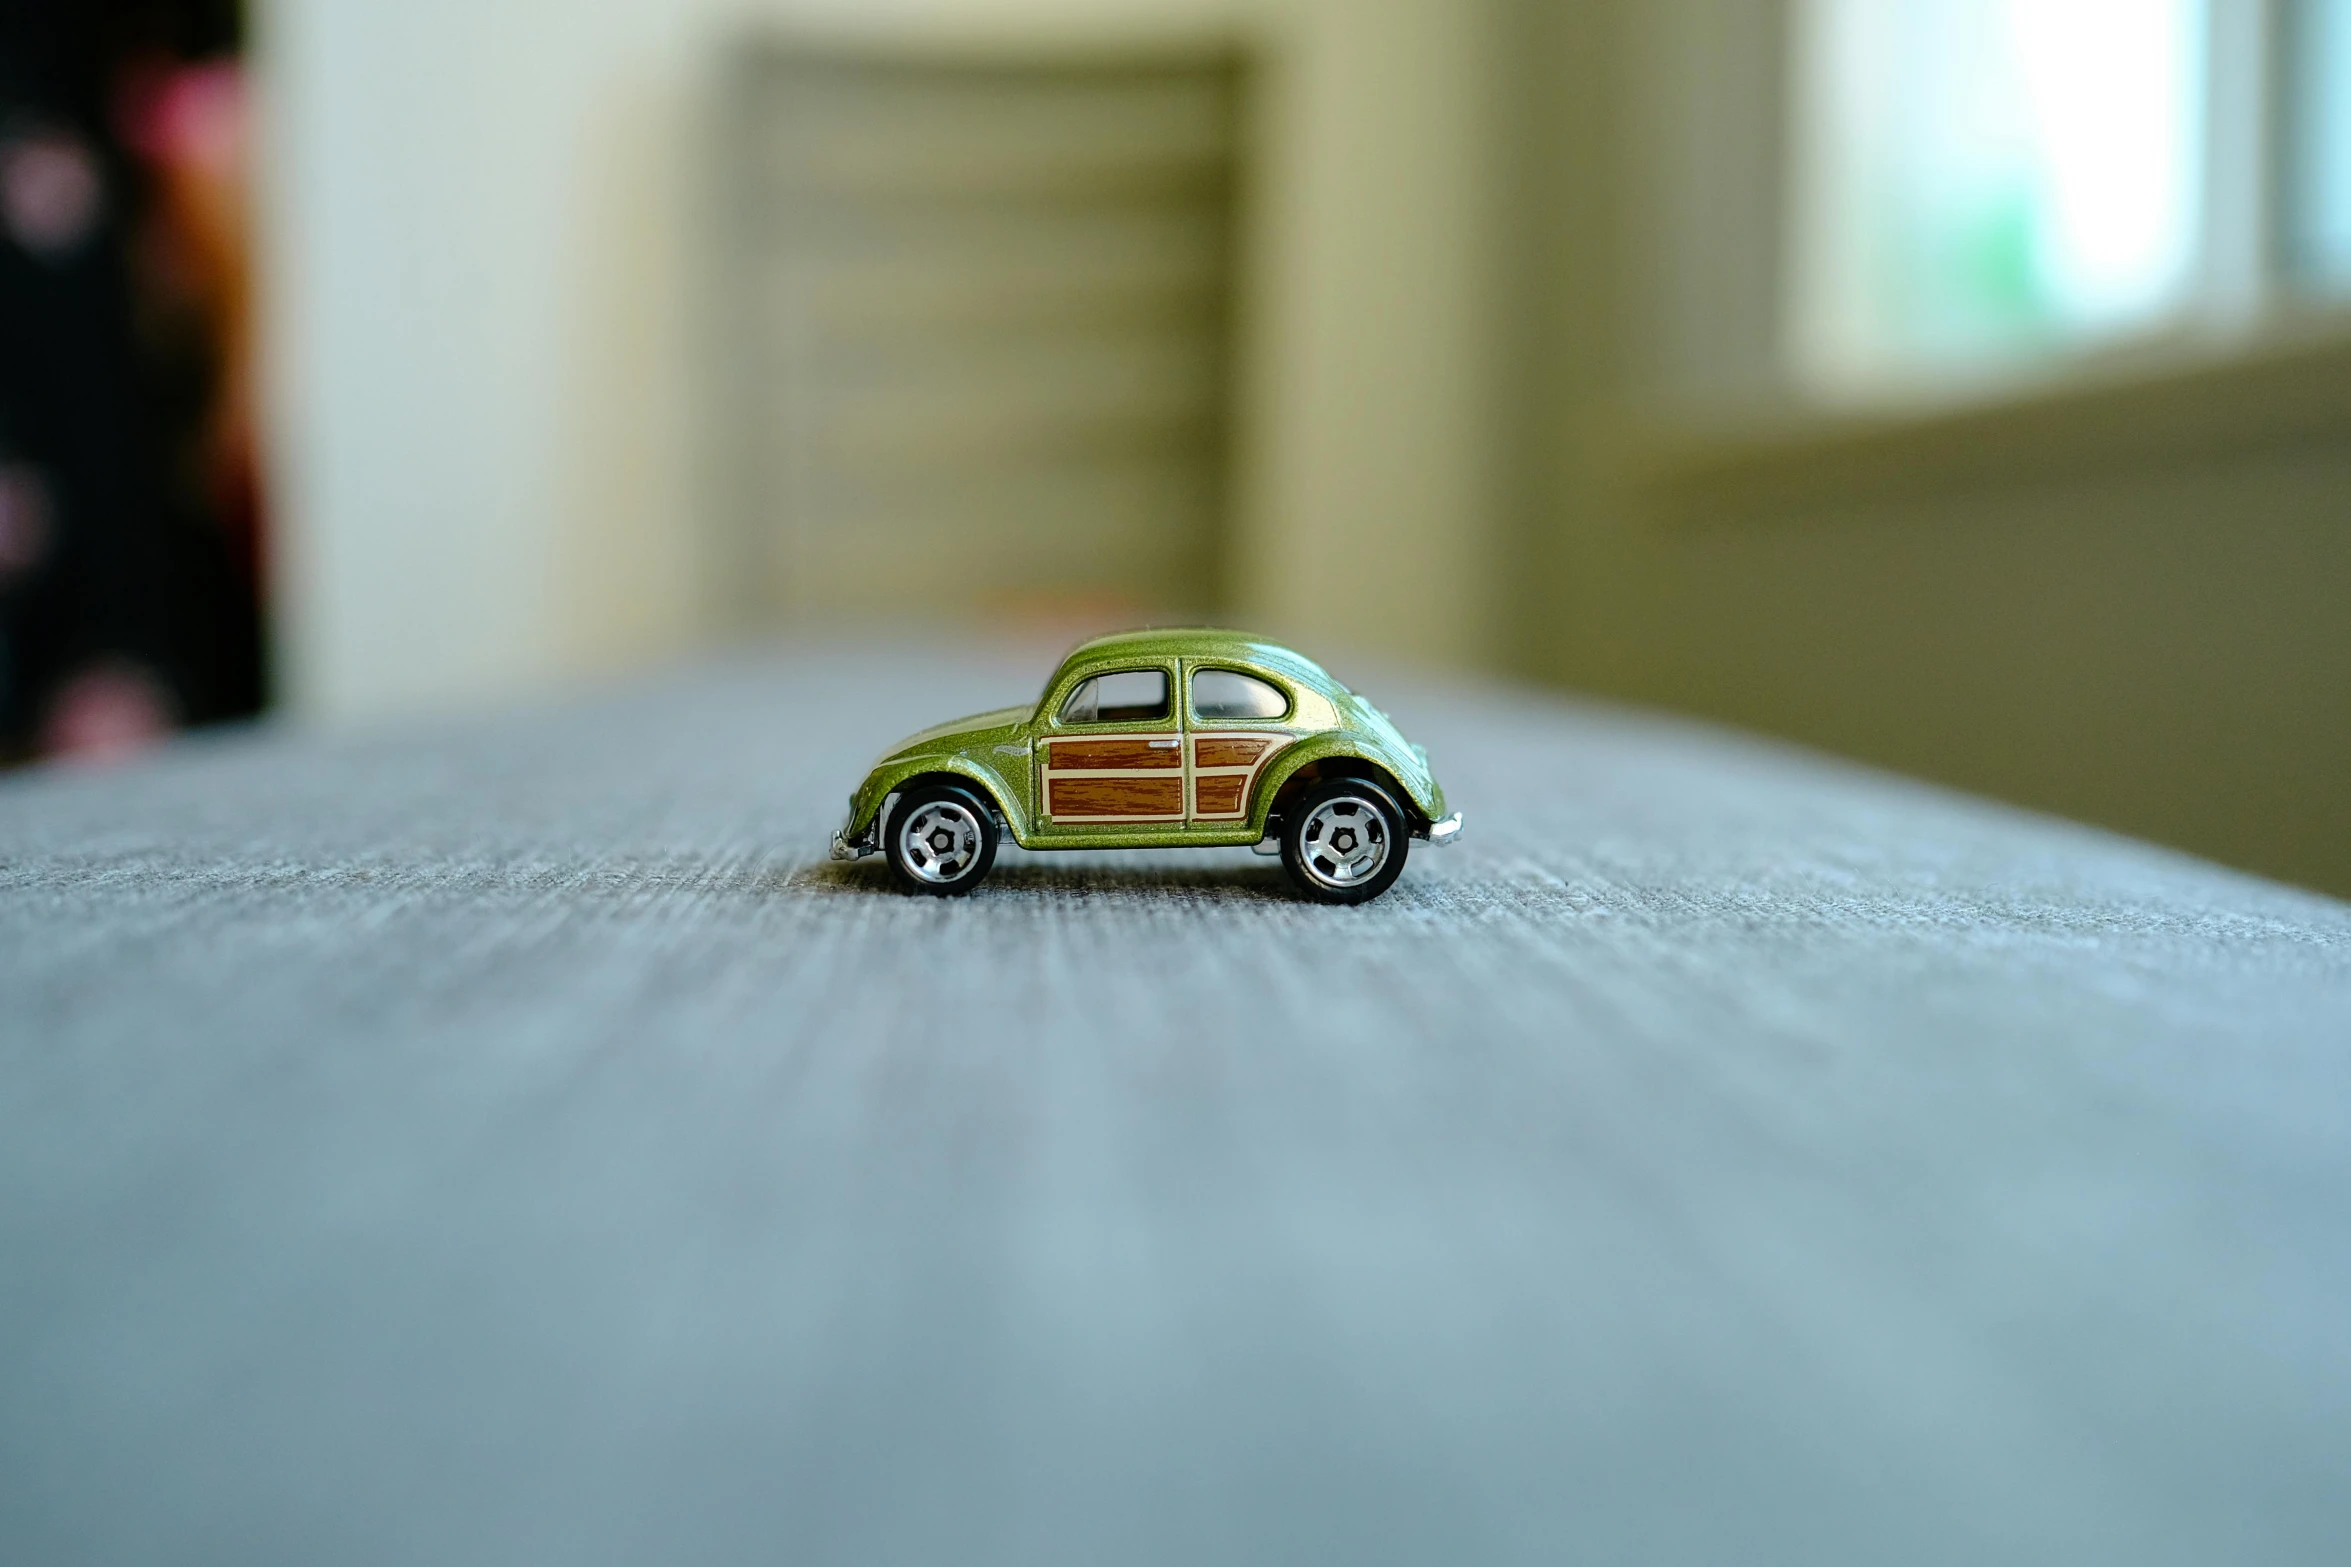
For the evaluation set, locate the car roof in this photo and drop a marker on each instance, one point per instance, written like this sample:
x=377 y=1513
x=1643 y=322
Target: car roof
x=1208 y=642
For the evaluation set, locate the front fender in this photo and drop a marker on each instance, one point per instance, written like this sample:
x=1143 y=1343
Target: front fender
x=1420 y=789
x=1011 y=799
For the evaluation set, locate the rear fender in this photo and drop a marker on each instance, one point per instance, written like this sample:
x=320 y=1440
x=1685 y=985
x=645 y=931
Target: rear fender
x=1301 y=766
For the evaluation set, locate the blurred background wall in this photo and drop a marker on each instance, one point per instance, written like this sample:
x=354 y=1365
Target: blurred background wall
x=1963 y=385
x=2051 y=496
x=497 y=234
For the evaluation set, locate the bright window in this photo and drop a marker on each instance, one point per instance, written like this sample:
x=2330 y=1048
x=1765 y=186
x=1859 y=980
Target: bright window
x=1985 y=182
x=2319 y=217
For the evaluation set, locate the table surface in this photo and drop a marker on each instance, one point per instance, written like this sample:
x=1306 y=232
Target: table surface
x=511 y=1141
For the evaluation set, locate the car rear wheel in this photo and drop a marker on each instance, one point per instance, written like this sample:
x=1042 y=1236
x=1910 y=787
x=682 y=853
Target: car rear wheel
x=1344 y=841
x=941 y=840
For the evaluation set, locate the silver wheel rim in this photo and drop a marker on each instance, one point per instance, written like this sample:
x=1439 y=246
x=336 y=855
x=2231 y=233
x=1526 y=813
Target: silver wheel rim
x=939 y=841
x=1344 y=842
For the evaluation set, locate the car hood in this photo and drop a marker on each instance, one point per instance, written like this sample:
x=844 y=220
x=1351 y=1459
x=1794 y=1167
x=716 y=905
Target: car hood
x=941 y=737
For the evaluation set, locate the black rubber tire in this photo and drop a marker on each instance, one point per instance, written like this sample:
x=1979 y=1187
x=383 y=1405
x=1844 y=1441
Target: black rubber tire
x=907 y=862
x=1312 y=868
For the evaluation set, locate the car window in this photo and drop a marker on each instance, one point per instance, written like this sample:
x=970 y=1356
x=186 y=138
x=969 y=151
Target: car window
x=1132 y=696
x=1222 y=695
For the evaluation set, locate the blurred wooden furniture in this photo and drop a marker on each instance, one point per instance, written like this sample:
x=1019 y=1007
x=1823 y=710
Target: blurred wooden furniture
x=973 y=329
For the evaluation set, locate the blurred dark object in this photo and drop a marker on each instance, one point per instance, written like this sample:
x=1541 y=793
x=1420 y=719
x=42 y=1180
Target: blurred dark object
x=131 y=543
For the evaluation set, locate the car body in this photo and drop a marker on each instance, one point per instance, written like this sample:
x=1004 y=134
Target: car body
x=1159 y=739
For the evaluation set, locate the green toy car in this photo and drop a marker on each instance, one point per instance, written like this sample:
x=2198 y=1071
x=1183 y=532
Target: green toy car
x=1154 y=740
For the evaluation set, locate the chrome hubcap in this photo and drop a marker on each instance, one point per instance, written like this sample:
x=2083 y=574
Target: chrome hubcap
x=1344 y=842
x=939 y=840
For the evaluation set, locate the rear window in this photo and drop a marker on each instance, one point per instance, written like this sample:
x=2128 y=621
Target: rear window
x=1223 y=695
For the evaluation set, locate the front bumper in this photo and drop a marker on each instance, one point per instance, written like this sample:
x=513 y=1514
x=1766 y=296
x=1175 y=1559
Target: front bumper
x=844 y=849
x=1444 y=832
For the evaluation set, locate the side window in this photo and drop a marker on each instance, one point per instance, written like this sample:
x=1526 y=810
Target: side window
x=1223 y=695
x=1132 y=696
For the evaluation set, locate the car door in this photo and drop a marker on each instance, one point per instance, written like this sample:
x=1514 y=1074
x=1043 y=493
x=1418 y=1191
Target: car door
x=1236 y=720
x=1113 y=754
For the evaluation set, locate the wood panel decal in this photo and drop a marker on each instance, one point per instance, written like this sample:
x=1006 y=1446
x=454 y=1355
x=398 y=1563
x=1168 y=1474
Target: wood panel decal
x=1113 y=755
x=1219 y=796
x=1225 y=771
x=1085 y=797
x=1129 y=780
x=1228 y=752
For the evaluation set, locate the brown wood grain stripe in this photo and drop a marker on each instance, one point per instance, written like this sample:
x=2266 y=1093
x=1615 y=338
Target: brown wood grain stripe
x=1109 y=754
x=1217 y=796
x=1227 y=753
x=1115 y=796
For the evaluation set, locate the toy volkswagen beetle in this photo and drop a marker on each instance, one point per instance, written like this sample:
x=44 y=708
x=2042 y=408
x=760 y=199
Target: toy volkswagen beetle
x=1153 y=740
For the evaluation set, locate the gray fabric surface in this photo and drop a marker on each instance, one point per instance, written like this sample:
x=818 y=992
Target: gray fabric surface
x=510 y=1142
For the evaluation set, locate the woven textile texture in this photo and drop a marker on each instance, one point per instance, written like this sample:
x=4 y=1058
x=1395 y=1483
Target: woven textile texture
x=512 y=1141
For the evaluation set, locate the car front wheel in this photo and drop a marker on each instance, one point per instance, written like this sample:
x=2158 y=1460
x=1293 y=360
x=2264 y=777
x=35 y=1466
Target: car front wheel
x=941 y=841
x=1344 y=841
